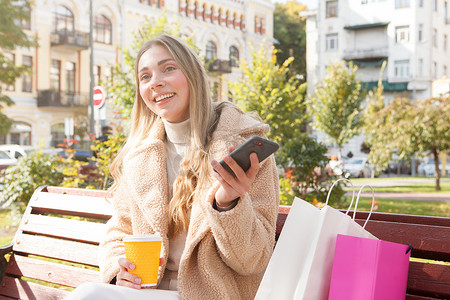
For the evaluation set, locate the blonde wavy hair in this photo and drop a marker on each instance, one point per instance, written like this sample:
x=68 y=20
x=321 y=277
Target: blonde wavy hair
x=203 y=120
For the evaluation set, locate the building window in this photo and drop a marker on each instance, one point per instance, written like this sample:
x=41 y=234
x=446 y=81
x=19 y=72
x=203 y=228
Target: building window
x=434 y=3
x=420 y=33
x=70 y=77
x=444 y=70
x=331 y=9
x=63 y=20
x=420 y=3
x=57 y=134
x=20 y=134
x=402 y=3
x=420 y=67
x=55 y=75
x=364 y=1
x=402 y=34
x=211 y=51
x=24 y=23
x=12 y=60
x=435 y=43
x=401 y=68
x=234 y=56
x=26 y=77
x=331 y=42
x=102 y=30
x=435 y=67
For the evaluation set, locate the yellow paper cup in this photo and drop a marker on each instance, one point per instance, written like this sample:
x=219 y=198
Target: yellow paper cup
x=144 y=252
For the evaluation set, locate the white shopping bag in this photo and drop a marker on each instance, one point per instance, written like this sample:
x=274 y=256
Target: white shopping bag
x=302 y=261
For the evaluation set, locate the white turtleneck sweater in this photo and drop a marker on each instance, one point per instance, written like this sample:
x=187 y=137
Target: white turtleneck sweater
x=176 y=142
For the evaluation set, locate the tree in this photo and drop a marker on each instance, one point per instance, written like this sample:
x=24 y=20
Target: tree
x=13 y=13
x=380 y=150
x=336 y=105
x=289 y=31
x=267 y=89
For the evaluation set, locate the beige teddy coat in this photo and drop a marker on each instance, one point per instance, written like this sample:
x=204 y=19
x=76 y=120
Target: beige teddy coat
x=226 y=253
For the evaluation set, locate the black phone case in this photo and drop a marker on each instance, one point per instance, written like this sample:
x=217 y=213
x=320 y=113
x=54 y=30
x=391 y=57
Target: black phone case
x=261 y=146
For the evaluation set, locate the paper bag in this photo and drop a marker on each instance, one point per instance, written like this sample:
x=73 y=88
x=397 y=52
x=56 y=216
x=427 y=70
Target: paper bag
x=369 y=269
x=301 y=264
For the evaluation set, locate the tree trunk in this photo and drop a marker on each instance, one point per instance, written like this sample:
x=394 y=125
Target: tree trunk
x=437 y=174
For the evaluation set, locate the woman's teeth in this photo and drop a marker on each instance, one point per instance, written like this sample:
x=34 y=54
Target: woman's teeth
x=162 y=97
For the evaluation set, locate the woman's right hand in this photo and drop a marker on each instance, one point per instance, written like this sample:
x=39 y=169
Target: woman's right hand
x=125 y=278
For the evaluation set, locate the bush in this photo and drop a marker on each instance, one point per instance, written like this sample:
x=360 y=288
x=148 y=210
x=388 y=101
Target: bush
x=20 y=181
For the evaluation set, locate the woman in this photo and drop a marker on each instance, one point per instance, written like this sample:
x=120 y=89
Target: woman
x=218 y=231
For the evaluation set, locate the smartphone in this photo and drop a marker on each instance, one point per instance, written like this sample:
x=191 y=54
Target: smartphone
x=261 y=146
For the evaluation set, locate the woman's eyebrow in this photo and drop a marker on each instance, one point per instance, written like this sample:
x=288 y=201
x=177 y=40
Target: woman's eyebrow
x=164 y=61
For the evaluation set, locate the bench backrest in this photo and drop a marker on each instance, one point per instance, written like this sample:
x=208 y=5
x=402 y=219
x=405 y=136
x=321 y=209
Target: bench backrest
x=429 y=269
x=56 y=245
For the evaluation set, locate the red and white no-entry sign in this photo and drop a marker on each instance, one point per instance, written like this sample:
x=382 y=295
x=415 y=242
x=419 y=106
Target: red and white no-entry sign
x=99 y=97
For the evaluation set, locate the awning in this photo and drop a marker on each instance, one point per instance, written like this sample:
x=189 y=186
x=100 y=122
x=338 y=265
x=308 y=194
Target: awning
x=388 y=87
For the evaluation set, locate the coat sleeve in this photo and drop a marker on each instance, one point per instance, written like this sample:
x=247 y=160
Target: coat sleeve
x=245 y=235
x=117 y=227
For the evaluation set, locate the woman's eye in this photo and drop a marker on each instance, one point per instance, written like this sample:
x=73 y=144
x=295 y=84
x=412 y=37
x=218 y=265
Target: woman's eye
x=170 y=68
x=145 y=77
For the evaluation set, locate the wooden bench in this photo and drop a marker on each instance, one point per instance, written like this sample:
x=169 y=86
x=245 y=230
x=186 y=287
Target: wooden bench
x=56 y=245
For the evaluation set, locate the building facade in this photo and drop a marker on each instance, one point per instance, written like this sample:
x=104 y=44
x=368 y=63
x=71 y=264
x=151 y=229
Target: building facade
x=412 y=36
x=58 y=87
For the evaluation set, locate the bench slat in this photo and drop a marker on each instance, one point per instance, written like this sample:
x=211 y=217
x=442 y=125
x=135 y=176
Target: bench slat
x=18 y=288
x=84 y=206
x=427 y=278
x=57 y=248
x=430 y=242
x=75 y=191
x=50 y=271
x=65 y=228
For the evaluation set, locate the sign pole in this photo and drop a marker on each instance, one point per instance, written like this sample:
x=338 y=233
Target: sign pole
x=91 y=70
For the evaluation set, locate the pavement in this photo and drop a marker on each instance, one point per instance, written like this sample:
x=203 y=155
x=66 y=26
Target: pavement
x=392 y=181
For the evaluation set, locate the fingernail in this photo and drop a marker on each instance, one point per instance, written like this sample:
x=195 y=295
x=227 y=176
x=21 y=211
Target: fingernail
x=214 y=163
x=227 y=158
x=137 y=280
x=131 y=267
x=254 y=155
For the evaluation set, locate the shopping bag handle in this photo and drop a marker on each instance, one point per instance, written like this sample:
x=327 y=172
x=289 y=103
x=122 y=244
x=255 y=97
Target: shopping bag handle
x=331 y=188
x=357 y=200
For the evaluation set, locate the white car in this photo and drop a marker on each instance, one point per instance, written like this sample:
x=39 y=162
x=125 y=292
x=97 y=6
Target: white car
x=6 y=161
x=427 y=168
x=16 y=151
x=357 y=167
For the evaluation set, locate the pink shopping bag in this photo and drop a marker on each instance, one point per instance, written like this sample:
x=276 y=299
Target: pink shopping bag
x=369 y=269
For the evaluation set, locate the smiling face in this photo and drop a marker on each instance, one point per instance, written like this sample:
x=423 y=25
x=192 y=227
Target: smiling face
x=162 y=85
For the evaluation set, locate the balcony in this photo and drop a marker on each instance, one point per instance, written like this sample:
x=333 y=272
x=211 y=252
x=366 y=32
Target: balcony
x=367 y=54
x=51 y=98
x=70 y=39
x=220 y=66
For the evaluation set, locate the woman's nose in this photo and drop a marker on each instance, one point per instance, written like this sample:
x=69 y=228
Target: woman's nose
x=156 y=81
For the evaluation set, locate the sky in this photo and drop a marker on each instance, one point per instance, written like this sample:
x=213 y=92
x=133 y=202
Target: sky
x=311 y=4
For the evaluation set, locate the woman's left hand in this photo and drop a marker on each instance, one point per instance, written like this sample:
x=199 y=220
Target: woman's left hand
x=232 y=187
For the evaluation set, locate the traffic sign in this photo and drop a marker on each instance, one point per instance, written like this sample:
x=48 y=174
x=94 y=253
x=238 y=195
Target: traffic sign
x=99 y=97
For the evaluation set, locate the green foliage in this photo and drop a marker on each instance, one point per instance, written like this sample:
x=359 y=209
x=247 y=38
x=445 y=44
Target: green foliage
x=266 y=89
x=289 y=31
x=106 y=151
x=20 y=181
x=379 y=142
x=336 y=104
x=11 y=37
x=122 y=87
x=286 y=191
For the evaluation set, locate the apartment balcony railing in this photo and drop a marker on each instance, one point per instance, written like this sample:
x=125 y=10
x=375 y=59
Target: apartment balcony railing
x=366 y=54
x=70 y=39
x=220 y=66
x=51 y=98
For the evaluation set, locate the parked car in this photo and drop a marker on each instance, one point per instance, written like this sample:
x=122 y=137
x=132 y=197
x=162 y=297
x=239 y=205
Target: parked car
x=6 y=160
x=428 y=168
x=16 y=151
x=357 y=167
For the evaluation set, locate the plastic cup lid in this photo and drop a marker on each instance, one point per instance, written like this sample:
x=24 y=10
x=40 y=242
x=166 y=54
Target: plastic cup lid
x=142 y=238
